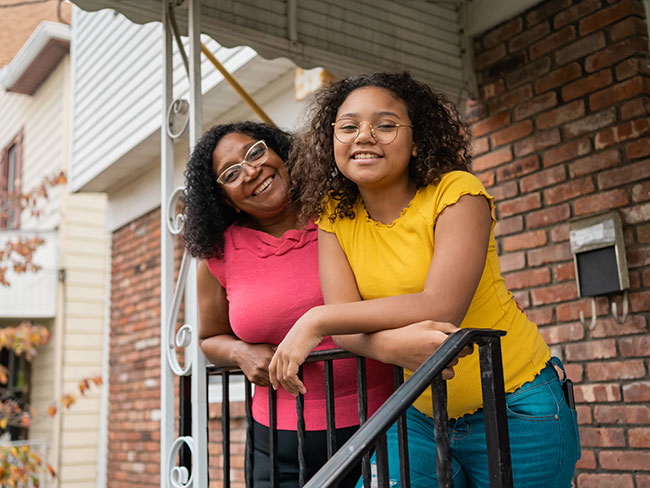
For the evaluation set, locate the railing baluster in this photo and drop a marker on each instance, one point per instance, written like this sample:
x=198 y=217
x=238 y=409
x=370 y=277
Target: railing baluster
x=329 y=408
x=441 y=431
x=362 y=401
x=494 y=407
x=185 y=419
x=273 y=439
x=402 y=436
x=300 y=410
x=250 y=436
x=225 y=427
x=381 y=452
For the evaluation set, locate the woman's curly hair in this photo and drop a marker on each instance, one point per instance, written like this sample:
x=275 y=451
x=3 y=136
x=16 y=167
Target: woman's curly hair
x=442 y=140
x=207 y=215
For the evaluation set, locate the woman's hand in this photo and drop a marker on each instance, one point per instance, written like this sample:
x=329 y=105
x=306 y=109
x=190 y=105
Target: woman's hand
x=412 y=345
x=254 y=359
x=291 y=353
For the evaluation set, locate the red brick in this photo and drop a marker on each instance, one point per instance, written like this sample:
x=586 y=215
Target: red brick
x=541 y=179
x=528 y=72
x=640 y=301
x=518 y=168
x=530 y=35
x=512 y=133
x=511 y=98
x=620 y=91
x=608 y=327
x=615 y=53
x=571 y=311
x=552 y=42
x=646 y=278
x=586 y=85
x=642 y=481
x=487 y=178
x=643 y=233
x=526 y=240
x=574 y=13
x=625 y=460
x=567 y=191
x=638 y=392
x=493 y=89
x=636 y=258
x=558 y=77
x=636 y=214
x=492 y=159
x=604 y=480
x=638 y=149
x=541 y=316
x=621 y=176
x=641 y=192
x=474 y=110
x=536 y=105
x=490 y=56
x=616 y=370
x=600 y=202
x=528 y=278
x=480 y=146
x=559 y=334
x=622 y=132
x=519 y=205
x=580 y=48
x=512 y=261
x=521 y=298
x=639 y=437
x=566 y=152
x=547 y=216
x=630 y=67
x=636 y=346
x=554 y=294
x=503 y=32
x=602 y=437
x=560 y=233
x=509 y=226
x=587 y=461
x=560 y=115
x=631 y=26
x=595 y=162
x=504 y=191
x=491 y=124
x=609 y=15
x=590 y=123
x=598 y=392
x=564 y=272
x=545 y=10
x=538 y=141
x=549 y=254
x=584 y=415
x=585 y=351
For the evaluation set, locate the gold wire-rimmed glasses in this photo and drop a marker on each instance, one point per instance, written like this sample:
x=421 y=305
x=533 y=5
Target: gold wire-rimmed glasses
x=256 y=156
x=383 y=132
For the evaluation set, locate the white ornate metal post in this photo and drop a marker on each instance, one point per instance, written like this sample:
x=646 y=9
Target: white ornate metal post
x=186 y=337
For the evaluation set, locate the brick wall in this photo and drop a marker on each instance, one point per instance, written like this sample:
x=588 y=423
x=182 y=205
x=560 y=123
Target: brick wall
x=562 y=131
x=134 y=386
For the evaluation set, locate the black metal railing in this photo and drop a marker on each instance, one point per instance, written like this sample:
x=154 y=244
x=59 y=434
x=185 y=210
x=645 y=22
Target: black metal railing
x=372 y=433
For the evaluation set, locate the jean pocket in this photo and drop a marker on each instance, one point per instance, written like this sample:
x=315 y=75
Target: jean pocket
x=536 y=403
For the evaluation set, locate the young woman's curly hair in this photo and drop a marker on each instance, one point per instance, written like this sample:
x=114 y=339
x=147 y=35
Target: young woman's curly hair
x=442 y=140
x=207 y=215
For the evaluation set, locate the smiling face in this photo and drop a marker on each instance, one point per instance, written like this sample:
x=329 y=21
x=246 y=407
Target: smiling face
x=364 y=161
x=263 y=193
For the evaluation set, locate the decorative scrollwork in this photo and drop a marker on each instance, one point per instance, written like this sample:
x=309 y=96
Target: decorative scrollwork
x=179 y=476
x=183 y=338
x=175 y=222
x=179 y=107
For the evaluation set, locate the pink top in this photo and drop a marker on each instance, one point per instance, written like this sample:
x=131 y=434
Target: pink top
x=270 y=282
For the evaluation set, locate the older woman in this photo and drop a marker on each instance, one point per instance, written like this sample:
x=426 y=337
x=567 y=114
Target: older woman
x=258 y=274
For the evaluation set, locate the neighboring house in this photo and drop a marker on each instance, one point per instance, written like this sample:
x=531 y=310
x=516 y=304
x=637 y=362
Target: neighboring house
x=68 y=294
x=560 y=123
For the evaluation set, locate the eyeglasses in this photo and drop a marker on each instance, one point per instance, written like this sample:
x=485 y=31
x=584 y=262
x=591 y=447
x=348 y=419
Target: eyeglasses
x=255 y=157
x=346 y=131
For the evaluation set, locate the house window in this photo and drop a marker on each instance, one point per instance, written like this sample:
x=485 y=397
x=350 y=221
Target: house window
x=14 y=394
x=10 y=175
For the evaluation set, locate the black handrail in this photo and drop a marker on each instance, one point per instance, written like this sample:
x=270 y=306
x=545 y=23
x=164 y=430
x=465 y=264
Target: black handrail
x=372 y=432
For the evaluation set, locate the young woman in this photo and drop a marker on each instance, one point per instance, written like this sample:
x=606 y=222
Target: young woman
x=258 y=275
x=406 y=235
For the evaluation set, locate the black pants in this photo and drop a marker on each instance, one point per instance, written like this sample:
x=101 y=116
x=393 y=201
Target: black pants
x=315 y=456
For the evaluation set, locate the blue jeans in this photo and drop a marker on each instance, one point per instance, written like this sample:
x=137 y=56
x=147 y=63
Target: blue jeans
x=544 y=442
